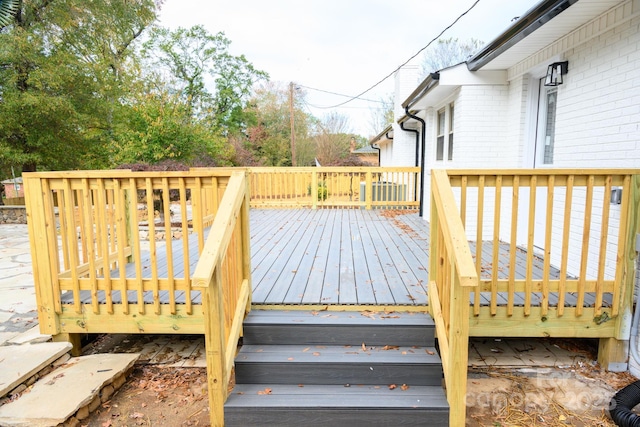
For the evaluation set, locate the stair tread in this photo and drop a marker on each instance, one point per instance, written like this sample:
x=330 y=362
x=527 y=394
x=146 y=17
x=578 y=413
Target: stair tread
x=336 y=354
x=330 y=318
x=337 y=396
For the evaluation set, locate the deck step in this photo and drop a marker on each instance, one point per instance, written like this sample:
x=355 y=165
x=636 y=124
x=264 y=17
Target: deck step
x=338 y=328
x=320 y=364
x=337 y=368
x=334 y=405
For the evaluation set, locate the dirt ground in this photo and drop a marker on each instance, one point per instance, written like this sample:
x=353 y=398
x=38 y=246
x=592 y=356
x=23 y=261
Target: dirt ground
x=157 y=395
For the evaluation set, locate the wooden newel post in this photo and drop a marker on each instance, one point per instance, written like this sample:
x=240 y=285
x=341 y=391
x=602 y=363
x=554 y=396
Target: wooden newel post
x=40 y=252
x=214 y=344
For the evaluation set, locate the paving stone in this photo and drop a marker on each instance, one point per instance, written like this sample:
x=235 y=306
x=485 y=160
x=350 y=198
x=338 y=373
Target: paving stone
x=19 y=362
x=56 y=397
x=32 y=336
x=6 y=336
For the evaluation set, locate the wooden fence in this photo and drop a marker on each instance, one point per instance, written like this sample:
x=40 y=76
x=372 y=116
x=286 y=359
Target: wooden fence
x=87 y=232
x=335 y=187
x=581 y=225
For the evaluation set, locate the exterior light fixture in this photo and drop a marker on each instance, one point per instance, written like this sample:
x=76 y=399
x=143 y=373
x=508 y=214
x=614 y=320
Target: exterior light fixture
x=555 y=72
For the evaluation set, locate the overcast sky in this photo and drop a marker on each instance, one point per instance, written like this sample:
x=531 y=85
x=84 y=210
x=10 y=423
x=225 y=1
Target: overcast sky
x=341 y=46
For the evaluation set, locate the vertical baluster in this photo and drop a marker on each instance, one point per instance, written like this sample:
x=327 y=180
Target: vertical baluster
x=479 y=226
x=123 y=242
x=604 y=234
x=585 y=245
x=495 y=263
x=528 y=285
x=511 y=286
x=547 y=246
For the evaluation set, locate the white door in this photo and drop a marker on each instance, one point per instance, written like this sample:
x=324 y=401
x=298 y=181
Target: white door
x=543 y=158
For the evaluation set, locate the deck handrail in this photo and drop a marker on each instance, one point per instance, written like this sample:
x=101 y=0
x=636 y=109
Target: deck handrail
x=452 y=276
x=334 y=187
x=580 y=222
x=223 y=274
x=86 y=232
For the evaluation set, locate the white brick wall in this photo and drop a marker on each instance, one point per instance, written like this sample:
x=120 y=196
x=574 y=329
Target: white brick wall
x=598 y=121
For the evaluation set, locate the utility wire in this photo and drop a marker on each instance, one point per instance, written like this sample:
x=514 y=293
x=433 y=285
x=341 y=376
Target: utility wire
x=407 y=61
x=339 y=94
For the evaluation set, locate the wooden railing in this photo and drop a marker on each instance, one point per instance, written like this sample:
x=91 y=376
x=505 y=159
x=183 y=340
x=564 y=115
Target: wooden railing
x=531 y=253
x=452 y=277
x=335 y=187
x=574 y=230
x=223 y=274
x=88 y=230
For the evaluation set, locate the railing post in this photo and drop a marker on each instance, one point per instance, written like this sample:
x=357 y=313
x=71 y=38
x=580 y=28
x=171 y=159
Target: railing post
x=459 y=349
x=42 y=268
x=368 y=192
x=613 y=352
x=314 y=189
x=213 y=311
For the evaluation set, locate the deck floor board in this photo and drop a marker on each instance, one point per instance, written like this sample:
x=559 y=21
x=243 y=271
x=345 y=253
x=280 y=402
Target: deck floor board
x=337 y=256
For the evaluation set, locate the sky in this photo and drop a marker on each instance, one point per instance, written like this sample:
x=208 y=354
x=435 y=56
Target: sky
x=340 y=46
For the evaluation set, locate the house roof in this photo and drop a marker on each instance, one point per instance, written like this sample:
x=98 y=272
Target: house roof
x=17 y=180
x=540 y=26
x=367 y=149
x=383 y=136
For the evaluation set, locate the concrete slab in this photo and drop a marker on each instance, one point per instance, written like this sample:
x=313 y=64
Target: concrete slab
x=20 y=362
x=32 y=336
x=6 y=336
x=59 y=395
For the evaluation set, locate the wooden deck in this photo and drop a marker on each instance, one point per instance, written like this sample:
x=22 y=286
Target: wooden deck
x=339 y=257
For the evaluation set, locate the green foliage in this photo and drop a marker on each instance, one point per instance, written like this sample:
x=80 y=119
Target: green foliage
x=322 y=192
x=8 y=10
x=184 y=58
x=62 y=80
x=159 y=127
x=268 y=136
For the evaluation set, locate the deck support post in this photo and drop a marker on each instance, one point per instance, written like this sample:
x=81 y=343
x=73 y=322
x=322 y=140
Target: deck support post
x=74 y=339
x=613 y=354
x=215 y=347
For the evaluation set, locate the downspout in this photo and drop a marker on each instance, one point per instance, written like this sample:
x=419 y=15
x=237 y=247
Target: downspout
x=415 y=189
x=422 y=148
x=378 y=149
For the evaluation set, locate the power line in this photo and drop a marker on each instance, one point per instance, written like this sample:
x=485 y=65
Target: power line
x=407 y=61
x=340 y=94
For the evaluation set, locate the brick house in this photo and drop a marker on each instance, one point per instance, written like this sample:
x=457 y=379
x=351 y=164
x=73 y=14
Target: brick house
x=559 y=88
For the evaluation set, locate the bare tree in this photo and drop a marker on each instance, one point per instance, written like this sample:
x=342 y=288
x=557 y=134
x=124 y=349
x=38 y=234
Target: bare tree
x=448 y=52
x=333 y=139
x=382 y=114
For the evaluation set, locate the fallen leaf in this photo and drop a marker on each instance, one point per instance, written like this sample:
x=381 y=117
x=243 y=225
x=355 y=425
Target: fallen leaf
x=429 y=352
x=404 y=387
x=290 y=358
x=316 y=353
x=392 y=386
x=136 y=415
x=391 y=347
x=306 y=349
x=265 y=391
x=364 y=347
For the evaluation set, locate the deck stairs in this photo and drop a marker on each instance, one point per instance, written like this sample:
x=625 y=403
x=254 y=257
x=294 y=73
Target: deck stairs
x=337 y=368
